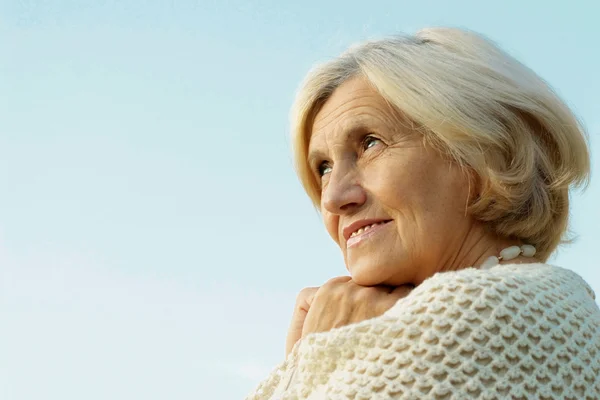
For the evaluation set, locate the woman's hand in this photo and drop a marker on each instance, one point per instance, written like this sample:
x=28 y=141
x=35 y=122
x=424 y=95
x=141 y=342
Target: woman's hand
x=337 y=303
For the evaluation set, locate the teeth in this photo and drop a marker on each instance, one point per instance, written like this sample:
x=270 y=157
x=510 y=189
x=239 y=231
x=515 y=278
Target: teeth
x=364 y=228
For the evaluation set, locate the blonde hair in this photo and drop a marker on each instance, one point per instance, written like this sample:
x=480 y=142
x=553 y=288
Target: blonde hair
x=478 y=105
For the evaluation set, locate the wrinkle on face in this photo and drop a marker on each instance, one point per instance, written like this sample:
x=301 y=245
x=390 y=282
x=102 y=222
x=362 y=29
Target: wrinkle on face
x=333 y=126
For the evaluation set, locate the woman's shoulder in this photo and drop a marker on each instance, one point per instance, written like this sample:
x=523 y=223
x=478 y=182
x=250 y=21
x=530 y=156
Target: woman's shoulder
x=512 y=285
x=520 y=277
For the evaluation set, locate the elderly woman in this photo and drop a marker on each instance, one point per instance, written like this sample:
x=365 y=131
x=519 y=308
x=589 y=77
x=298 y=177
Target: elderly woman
x=441 y=167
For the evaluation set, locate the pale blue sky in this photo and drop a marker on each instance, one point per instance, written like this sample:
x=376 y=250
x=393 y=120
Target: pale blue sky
x=153 y=234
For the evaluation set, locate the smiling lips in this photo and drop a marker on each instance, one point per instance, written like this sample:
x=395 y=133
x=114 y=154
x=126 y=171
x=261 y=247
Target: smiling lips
x=360 y=230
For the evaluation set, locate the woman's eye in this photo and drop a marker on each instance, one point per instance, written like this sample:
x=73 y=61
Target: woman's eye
x=324 y=168
x=369 y=141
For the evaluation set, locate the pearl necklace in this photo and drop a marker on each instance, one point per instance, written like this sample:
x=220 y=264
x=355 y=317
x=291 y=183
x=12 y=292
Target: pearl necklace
x=509 y=253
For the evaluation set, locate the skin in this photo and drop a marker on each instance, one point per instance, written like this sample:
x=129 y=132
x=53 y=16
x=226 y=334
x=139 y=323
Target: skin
x=372 y=164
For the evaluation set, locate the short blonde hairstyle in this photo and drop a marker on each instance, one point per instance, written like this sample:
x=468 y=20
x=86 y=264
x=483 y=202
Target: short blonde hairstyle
x=478 y=105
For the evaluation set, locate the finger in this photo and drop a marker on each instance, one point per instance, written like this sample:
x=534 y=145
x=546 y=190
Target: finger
x=338 y=280
x=295 y=330
x=305 y=298
x=303 y=302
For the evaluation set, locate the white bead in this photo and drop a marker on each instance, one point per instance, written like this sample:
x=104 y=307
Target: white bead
x=510 y=253
x=490 y=262
x=528 y=250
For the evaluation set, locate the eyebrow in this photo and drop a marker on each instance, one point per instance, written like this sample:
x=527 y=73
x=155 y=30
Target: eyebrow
x=313 y=156
x=351 y=134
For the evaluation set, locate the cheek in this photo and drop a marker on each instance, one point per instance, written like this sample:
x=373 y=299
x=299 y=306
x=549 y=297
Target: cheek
x=394 y=187
x=331 y=222
x=416 y=188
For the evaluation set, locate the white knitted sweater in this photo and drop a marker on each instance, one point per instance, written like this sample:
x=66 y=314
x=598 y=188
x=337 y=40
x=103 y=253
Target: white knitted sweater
x=529 y=331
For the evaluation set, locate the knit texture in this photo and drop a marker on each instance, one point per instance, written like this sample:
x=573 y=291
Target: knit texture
x=527 y=331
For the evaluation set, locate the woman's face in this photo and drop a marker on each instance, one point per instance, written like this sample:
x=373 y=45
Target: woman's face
x=394 y=206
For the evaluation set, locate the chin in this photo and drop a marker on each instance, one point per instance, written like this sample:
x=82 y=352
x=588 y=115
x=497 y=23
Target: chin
x=375 y=273
x=366 y=275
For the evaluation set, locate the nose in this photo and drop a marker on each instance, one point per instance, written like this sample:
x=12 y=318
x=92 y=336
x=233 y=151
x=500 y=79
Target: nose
x=343 y=193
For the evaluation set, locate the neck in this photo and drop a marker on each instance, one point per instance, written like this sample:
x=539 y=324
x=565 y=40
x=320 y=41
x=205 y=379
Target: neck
x=478 y=245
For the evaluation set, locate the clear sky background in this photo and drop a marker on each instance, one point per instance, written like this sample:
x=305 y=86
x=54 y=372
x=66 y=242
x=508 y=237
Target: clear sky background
x=153 y=235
